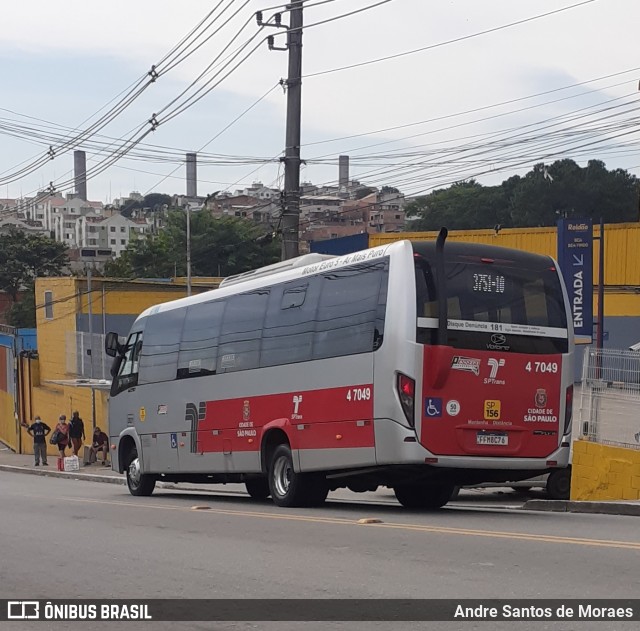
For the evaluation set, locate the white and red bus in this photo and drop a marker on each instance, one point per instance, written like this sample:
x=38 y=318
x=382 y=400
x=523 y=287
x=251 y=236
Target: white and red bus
x=416 y=366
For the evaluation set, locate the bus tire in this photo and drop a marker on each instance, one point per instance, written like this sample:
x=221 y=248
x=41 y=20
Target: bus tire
x=290 y=489
x=424 y=496
x=559 y=484
x=140 y=484
x=258 y=488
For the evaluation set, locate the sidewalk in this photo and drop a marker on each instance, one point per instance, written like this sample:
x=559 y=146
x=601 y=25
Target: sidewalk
x=18 y=463
x=23 y=463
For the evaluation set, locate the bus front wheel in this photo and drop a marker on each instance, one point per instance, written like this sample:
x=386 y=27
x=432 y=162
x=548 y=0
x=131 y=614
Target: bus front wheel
x=289 y=488
x=424 y=496
x=140 y=484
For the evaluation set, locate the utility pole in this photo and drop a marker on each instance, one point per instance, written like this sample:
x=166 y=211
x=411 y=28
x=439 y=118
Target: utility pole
x=290 y=221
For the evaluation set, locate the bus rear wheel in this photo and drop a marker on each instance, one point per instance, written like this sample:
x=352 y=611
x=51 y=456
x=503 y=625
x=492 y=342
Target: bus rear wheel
x=258 y=488
x=424 y=496
x=559 y=484
x=140 y=484
x=288 y=488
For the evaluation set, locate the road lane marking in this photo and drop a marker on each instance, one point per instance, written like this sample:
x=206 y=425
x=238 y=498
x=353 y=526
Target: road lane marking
x=338 y=521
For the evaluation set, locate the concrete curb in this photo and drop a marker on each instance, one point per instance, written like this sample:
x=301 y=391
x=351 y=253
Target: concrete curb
x=73 y=475
x=568 y=506
x=93 y=477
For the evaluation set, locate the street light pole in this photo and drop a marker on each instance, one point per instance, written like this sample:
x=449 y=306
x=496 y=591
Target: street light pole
x=90 y=312
x=188 y=249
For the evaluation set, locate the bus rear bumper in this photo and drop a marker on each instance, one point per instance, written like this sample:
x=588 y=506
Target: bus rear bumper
x=398 y=444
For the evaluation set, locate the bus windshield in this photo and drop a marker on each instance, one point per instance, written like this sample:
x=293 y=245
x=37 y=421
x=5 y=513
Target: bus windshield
x=493 y=303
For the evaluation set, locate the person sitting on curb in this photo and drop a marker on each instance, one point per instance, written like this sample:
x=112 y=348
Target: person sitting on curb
x=39 y=430
x=100 y=444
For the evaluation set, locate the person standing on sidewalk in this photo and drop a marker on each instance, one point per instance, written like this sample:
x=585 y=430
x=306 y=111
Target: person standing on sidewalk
x=63 y=434
x=39 y=430
x=76 y=432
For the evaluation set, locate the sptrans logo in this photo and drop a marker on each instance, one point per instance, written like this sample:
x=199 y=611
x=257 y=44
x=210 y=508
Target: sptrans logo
x=297 y=400
x=494 y=366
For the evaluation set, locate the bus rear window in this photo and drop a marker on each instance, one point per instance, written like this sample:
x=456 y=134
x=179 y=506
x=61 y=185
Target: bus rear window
x=491 y=296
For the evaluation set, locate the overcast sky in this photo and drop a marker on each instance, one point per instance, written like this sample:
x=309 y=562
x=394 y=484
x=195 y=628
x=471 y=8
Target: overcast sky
x=63 y=60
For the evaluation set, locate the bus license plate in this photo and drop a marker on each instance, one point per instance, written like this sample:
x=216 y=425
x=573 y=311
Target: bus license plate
x=492 y=439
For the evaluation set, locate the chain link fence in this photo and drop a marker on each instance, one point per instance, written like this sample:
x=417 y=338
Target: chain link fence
x=86 y=358
x=610 y=397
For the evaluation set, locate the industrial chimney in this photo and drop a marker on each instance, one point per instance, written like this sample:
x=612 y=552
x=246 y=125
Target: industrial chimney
x=343 y=174
x=192 y=175
x=80 y=173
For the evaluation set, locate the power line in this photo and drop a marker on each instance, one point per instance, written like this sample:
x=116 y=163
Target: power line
x=446 y=43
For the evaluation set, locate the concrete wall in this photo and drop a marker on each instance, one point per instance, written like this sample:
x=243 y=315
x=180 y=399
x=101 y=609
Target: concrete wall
x=603 y=472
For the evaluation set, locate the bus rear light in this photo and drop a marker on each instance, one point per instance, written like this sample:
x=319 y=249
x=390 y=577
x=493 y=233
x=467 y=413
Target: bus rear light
x=431 y=461
x=568 y=410
x=552 y=463
x=484 y=260
x=406 y=393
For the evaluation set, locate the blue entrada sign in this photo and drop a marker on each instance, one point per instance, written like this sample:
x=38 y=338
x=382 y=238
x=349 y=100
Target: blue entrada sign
x=575 y=256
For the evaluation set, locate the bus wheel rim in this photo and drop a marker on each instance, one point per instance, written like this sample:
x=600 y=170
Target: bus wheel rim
x=282 y=476
x=134 y=472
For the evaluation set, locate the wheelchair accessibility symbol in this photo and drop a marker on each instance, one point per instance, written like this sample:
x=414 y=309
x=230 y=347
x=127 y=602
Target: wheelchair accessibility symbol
x=433 y=407
x=174 y=441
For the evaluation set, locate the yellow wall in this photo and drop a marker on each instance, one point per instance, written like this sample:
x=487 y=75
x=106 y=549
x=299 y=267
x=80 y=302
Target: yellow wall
x=52 y=334
x=622 y=246
x=603 y=472
x=8 y=433
x=130 y=298
x=51 y=400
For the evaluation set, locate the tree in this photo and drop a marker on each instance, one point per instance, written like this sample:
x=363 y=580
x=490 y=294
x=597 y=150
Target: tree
x=24 y=256
x=464 y=205
x=219 y=247
x=536 y=199
x=156 y=201
x=22 y=314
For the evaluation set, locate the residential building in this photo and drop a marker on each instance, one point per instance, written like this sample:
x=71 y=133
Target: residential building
x=260 y=192
x=114 y=233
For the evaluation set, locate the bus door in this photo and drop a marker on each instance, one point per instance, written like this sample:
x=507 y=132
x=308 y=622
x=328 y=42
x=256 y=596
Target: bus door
x=496 y=387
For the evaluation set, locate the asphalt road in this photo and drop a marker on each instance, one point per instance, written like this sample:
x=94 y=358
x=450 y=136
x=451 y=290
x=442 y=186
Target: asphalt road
x=72 y=539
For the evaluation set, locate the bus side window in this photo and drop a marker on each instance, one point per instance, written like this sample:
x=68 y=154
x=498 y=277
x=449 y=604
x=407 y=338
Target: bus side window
x=241 y=333
x=198 y=354
x=159 y=355
x=290 y=322
x=348 y=311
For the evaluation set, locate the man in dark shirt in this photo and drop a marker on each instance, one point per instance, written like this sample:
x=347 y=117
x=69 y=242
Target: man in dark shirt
x=100 y=444
x=39 y=431
x=76 y=432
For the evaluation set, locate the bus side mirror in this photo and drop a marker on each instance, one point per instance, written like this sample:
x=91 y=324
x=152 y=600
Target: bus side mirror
x=111 y=345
